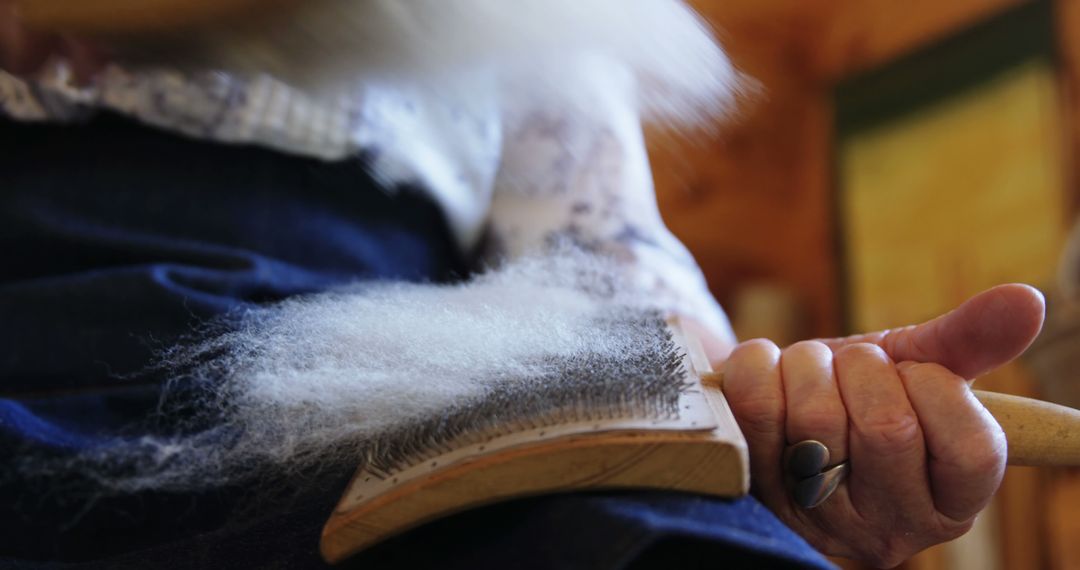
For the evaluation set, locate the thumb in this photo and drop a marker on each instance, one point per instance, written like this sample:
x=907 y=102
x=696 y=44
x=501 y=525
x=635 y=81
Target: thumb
x=987 y=331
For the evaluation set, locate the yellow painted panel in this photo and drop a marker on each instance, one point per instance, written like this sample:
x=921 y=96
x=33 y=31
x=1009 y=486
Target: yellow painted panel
x=959 y=197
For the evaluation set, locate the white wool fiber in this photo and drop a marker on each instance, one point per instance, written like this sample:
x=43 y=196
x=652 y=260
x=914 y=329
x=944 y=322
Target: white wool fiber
x=457 y=46
x=316 y=380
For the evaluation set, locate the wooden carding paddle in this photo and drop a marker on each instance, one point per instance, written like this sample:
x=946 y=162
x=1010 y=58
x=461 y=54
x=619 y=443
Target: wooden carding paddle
x=702 y=451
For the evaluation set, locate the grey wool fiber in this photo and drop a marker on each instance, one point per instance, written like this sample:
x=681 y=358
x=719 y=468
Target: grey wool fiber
x=388 y=373
x=383 y=374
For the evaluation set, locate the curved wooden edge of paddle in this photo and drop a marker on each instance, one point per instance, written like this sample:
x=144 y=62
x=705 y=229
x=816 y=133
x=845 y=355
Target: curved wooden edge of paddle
x=707 y=462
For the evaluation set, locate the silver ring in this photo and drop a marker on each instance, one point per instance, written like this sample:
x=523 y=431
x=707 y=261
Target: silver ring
x=808 y=464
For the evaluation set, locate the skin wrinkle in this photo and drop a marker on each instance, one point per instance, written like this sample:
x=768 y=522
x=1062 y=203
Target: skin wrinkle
x=879 y=516
x=889 y=431
x=817 y=412
x=748 y=372
x=971 y=451
x=869 y=430
x=893 y=546
x=974 y=331
x=976 y=508
x=768 y=419
x=963 y=339
x=998 y=309
x=915 y=342
x=932 y=336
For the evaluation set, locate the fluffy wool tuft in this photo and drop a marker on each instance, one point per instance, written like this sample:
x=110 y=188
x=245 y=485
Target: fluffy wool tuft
x=332 y=378
x=681 y=73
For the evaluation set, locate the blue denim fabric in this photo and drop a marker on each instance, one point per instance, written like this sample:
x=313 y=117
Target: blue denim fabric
x=119 y=239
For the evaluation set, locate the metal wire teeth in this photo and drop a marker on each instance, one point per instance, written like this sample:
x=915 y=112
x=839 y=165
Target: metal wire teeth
x=585 y=388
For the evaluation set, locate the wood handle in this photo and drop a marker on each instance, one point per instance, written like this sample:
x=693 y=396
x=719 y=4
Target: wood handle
x=1039 y=433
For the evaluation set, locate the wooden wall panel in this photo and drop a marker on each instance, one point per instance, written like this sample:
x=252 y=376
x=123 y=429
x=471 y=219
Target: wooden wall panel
x=858 y=35
x=1067 y=17
x=753 y=203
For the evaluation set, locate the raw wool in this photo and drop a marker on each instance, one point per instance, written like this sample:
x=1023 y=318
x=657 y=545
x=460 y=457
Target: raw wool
x=378 y=372
x=447 y=45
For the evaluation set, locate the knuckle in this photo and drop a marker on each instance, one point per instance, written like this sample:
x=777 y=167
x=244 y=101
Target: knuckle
x=921 y=373
x=755 y=347
x=809 y=348
x=891 y=431
x=862 y=351
x=979 y=447
x=753 y=389
x=901 y=337
x=912 y=368
x=748 y=365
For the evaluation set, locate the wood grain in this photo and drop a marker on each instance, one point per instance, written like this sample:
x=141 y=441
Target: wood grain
x=706 y=462
x=1039 y=433
x=709 y=464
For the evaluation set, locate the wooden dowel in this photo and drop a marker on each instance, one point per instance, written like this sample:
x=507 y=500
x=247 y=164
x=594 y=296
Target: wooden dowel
x=1039 y=433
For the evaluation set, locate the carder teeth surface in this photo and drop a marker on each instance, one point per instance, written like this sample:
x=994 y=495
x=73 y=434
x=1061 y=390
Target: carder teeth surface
x=641 y=384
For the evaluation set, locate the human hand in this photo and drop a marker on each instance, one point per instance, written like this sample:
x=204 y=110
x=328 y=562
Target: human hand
x=23 y=52
x=925 y=457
